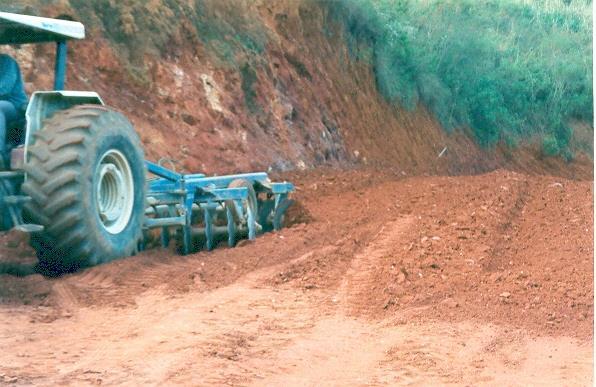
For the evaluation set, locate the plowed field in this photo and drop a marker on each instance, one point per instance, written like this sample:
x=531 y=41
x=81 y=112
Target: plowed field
x=381 y=279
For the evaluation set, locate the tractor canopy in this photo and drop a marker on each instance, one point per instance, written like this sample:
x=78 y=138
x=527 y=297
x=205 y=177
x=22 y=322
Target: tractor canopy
x=22 y=29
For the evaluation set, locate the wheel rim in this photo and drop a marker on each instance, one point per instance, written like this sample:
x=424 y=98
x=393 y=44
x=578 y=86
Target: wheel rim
x=115 y=191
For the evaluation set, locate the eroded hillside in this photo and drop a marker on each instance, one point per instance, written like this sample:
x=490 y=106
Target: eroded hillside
x=234 y=86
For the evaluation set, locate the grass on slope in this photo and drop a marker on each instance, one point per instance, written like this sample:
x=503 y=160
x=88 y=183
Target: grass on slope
x=509 y=70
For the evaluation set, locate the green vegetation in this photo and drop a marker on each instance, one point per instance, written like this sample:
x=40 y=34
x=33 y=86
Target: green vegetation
x=507 y=69
x=230 y=30
x=165 y=27
x=249 y=78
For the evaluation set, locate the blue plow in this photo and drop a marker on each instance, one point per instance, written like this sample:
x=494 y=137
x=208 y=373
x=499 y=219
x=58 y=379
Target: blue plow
x=203 y=210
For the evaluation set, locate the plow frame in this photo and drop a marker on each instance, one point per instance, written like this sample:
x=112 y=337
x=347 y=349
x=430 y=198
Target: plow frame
x=172 y=197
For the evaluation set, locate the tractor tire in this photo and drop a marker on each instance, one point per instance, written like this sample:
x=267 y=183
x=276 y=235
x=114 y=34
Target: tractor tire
x=86 y=177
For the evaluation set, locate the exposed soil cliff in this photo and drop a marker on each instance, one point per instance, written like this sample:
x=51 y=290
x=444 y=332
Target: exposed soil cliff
x=237 y=86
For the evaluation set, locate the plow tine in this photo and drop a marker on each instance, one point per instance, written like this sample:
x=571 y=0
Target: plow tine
x=165 y=231
x=187 y=228
x=279 y=213
x=252 y=225
x=231 y=227
x=165 y=237
x=208 y=227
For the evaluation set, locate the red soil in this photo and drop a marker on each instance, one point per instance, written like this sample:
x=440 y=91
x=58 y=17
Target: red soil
x=502 y=262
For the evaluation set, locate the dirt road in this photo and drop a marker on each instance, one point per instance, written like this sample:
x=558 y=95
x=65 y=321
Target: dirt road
x=381 y=280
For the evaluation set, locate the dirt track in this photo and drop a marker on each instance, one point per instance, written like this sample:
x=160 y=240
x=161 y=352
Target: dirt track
x=394 y=280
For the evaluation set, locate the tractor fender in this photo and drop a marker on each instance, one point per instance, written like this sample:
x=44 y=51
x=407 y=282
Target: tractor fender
x=44 y=104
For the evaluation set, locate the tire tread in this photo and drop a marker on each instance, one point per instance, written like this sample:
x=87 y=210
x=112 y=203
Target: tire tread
x=54 y=184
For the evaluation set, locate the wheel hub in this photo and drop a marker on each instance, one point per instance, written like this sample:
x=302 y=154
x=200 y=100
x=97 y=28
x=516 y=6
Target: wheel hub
x=115 y=191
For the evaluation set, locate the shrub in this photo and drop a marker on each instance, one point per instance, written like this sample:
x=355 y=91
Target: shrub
x=249 y=78
x=508 y=69
x=550 y=146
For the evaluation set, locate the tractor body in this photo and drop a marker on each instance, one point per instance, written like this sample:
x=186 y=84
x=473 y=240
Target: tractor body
x=78 y=181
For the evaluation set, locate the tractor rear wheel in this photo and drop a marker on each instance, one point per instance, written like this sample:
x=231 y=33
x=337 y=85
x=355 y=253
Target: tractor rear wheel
x=86 y=178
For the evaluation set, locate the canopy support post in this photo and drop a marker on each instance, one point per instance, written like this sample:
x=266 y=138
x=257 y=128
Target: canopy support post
x=60 y=68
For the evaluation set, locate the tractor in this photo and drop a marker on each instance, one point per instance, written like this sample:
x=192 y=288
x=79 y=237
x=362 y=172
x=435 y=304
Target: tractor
x=78 y=182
